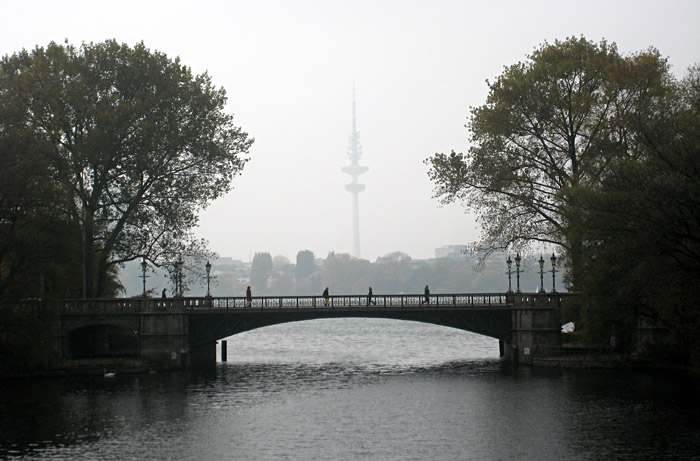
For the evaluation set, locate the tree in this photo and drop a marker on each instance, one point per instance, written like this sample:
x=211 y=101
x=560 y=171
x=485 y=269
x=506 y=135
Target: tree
x=309 y=285
x=260 y=271
x=642 y=230
x=138 y=145
x=306 y=265
x=391 y=273
x=27 y=337
x=345 y=274
x=37 y=246
x=550 y=125
x=308 y=278
x=282 y=283
x=281 y=262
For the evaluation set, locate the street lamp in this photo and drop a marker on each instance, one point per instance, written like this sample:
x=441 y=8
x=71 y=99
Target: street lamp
x=178 y=277
x=144 y=266
x=208 y=268
x=517 y=272
x=541 y=261
x=553 y=259
x=509 y=262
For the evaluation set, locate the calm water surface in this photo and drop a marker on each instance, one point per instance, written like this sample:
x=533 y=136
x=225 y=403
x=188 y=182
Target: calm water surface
x=356 y=389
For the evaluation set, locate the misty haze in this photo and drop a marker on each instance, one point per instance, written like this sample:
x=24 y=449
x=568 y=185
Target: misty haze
x=350 y=230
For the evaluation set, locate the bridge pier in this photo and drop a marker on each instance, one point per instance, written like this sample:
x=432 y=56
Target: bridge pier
x=164 y=338
x=536 y=330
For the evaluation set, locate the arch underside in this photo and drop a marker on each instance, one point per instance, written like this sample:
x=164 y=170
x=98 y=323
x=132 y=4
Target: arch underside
x=101 y=341
x=209 y=327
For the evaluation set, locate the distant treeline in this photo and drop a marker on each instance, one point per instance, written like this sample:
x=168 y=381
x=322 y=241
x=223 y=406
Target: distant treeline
x=343 y=274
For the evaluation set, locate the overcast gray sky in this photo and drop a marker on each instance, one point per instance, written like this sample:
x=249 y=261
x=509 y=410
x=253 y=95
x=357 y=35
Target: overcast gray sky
x=288 y=68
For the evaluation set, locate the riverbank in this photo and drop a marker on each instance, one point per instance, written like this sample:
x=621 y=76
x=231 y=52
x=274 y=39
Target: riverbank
x=86 y=367
x=605 y=361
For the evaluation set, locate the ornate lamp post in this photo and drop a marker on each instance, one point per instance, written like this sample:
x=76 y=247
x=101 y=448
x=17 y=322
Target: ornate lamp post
x=208 y=268
x=509 y=262
x=178 y=277
x=517 y=272
x=144 y=266
x=541 y=261
x=553 y=259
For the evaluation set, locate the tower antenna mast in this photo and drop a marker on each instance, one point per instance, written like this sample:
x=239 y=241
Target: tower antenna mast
x=355 y=170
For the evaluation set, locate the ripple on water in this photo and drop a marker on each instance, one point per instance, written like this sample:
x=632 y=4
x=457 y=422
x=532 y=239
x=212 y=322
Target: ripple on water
x=355 y=389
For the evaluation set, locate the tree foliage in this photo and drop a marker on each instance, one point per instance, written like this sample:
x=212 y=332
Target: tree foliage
x=306 y=264
x=642 y=228
x=308 y=277
x=550 y=125
x=38 y=246
x=27 y=337
x=345 y=274
x=135 y=146
x=260 y=272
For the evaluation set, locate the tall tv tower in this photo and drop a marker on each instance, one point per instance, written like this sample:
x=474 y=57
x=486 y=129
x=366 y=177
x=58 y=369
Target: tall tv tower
x=354 y=170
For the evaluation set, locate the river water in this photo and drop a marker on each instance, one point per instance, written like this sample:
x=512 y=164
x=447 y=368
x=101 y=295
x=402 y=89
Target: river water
x=348 y=389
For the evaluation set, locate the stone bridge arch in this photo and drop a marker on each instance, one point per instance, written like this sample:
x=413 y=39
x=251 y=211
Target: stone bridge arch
x=206 y=328
x=102 y=340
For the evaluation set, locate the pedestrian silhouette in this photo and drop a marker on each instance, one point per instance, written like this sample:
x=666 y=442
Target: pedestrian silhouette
x=325 y=297
x=248 y=297
x=369 y=297
x=426 y=295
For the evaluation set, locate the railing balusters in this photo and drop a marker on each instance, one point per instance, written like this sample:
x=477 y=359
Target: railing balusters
x=290 y=302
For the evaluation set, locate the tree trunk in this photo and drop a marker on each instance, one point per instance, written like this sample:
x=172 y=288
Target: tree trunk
x=88 y=263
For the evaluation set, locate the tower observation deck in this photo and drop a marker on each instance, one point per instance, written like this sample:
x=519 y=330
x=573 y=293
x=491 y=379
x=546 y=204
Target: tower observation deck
x=355 y=170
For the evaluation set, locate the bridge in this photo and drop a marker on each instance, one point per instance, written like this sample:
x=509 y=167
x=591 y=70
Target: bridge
x=183 y=332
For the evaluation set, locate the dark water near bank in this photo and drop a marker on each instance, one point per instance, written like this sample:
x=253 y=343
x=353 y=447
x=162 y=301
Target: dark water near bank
x=356 y=389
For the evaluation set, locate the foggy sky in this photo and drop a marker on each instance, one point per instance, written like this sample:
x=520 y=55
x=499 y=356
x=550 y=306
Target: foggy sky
x=288 y=68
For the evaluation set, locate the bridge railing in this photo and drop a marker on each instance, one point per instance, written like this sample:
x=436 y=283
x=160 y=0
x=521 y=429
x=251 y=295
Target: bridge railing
x=135 y=305
x=345 y=301
x=96 y=305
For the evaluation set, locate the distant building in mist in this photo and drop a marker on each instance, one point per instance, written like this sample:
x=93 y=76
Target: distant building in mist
x=452 y=251
x=468 y=252
x=354 y=170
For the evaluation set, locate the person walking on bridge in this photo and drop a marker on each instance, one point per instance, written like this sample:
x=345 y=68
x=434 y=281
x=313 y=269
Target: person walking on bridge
x=426 y=295
x=248 y=297
x=325 y=297
x=369 y=297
